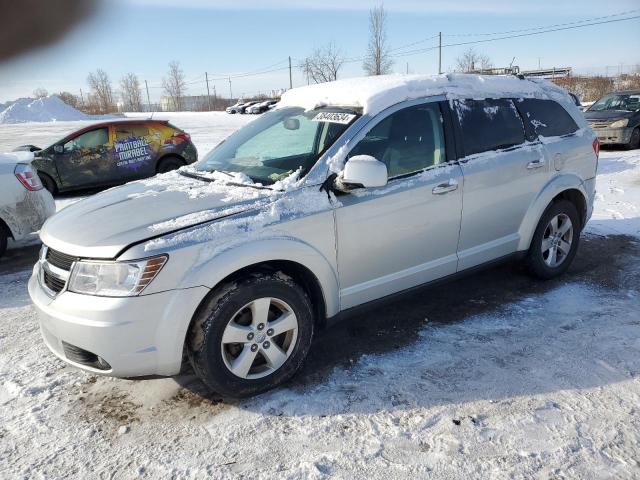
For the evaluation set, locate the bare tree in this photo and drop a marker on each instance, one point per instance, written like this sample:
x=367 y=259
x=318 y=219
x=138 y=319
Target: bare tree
x=40 y=92
x=323 y=64
x=174 y=84
x=131 y=93
x=377 y=60
x=101 y=91
x=472 y=61
x=69 y=98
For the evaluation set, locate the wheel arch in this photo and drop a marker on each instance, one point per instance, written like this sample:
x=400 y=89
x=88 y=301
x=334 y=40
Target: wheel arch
x=5 y=226
x=569 y=187
x=169 y=155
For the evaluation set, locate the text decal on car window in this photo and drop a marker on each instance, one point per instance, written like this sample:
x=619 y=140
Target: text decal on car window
x=334 y=117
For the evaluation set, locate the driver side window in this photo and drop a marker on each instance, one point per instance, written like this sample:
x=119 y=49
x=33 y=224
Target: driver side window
x=92 y=139
x=406 y=141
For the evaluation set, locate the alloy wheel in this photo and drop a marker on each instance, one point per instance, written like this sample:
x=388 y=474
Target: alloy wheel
x=259 y=338
x=557 y=240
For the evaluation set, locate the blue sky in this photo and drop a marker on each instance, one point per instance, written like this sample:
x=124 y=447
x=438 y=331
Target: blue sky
x=234 y=36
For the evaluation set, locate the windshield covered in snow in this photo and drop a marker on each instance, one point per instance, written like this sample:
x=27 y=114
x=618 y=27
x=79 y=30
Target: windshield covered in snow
x=279 y=143
x=630 y=103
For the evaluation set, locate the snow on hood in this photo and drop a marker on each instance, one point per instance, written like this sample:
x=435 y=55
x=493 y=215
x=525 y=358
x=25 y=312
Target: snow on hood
x=103 y=225
x=374 y=94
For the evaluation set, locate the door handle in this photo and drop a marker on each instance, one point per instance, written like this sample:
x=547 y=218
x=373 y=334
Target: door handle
x=537 y=163
x=447 y=187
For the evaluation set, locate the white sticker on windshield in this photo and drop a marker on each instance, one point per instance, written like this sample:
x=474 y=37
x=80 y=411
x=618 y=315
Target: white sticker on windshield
x=334 y=117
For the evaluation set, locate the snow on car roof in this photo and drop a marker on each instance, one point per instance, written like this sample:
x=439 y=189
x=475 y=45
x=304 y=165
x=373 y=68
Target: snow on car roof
x=374 y=94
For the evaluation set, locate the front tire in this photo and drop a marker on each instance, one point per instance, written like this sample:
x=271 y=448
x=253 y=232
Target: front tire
x=634 y=141
x=48 y=183
x=555 y=241
x=251 y=335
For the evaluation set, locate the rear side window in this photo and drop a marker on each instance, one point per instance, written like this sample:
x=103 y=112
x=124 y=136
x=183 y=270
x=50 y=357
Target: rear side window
x=124 y=132
x=490 y=124
x=546 y=117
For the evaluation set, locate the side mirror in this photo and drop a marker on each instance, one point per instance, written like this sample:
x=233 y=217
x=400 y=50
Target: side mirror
x=364 y=171
x=58 y=149
x=291 y=124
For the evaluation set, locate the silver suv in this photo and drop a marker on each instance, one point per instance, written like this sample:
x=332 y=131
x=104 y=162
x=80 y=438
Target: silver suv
x=347 y=192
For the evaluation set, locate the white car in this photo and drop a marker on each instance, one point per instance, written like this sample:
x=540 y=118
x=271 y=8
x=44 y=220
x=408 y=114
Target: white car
x=345 y=193
x=24 y=203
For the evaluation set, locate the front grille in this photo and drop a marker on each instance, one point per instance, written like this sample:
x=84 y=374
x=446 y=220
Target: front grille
x=54 y=284
x=59 y=259
x=84 y=357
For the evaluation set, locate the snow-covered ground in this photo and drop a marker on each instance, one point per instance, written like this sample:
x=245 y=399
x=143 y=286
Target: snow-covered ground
x=492 y=376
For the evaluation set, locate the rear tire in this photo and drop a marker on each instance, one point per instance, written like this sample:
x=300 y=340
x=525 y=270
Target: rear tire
x=4 y=238
x=48 y=183
x=634 y=141
x=168 y=164
x=555 y=241
x=251 y=335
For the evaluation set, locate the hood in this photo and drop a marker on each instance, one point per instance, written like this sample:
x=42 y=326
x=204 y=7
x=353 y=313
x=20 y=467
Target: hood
x=608 y=115
x=103 y=225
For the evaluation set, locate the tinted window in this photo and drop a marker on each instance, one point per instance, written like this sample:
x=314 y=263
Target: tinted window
x=91 y=139
x=124 y=132
x=488 y=124
x=547 y=118
x=407 y=141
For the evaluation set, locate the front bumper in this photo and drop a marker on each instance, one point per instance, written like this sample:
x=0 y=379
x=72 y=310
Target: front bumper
x=135 y=336
x=614 y=136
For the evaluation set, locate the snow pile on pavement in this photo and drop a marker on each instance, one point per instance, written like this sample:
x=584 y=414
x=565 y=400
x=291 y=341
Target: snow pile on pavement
x=45 y=109
x=374 y=94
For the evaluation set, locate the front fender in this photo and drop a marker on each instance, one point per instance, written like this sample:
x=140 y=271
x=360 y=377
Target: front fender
x=210 y=270
x=557 y=185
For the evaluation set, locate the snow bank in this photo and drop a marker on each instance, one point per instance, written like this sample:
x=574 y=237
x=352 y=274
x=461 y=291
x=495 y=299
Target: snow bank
x=374 y=94
x=46 y=109
x=16 y=157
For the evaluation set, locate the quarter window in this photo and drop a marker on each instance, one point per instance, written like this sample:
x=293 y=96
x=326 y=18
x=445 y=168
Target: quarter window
x=407 y=141
x=490 y=124
x=124 y=132
x=546 y=117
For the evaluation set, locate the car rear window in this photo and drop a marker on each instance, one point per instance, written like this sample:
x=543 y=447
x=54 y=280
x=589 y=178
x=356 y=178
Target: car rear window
x=546 y=117
x=124 y=132
x=490 y=124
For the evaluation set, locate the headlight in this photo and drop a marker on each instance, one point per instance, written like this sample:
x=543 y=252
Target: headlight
x=114 y=279
x=620 y=123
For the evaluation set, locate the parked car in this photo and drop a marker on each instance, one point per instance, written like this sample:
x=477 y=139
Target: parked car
x=616 y=119
x=234 y=108
x=239 y=260
x=261 y=107
x=24 y=204
x=112 y=153
x=243 y=108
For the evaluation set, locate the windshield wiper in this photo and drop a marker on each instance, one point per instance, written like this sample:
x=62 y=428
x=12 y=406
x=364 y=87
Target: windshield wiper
x=212 y=180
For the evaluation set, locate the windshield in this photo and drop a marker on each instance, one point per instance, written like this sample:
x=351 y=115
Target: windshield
x=278 y=143
x=628 y=102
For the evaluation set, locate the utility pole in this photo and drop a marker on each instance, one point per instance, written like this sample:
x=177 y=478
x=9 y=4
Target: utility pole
x=215 y=97
x=407 y=68
x=440 y=53
x=290 y=77
x=230 y=93
x=148 y=99
x=206 y=76
x=82 y=98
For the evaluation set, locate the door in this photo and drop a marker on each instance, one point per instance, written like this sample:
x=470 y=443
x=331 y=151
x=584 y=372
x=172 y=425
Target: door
x=85 y=159
x=502 y=176
x=404 y=234
x=135 y=151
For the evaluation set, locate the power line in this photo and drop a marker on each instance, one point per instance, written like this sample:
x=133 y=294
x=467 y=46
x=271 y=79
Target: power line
x=542 y=27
